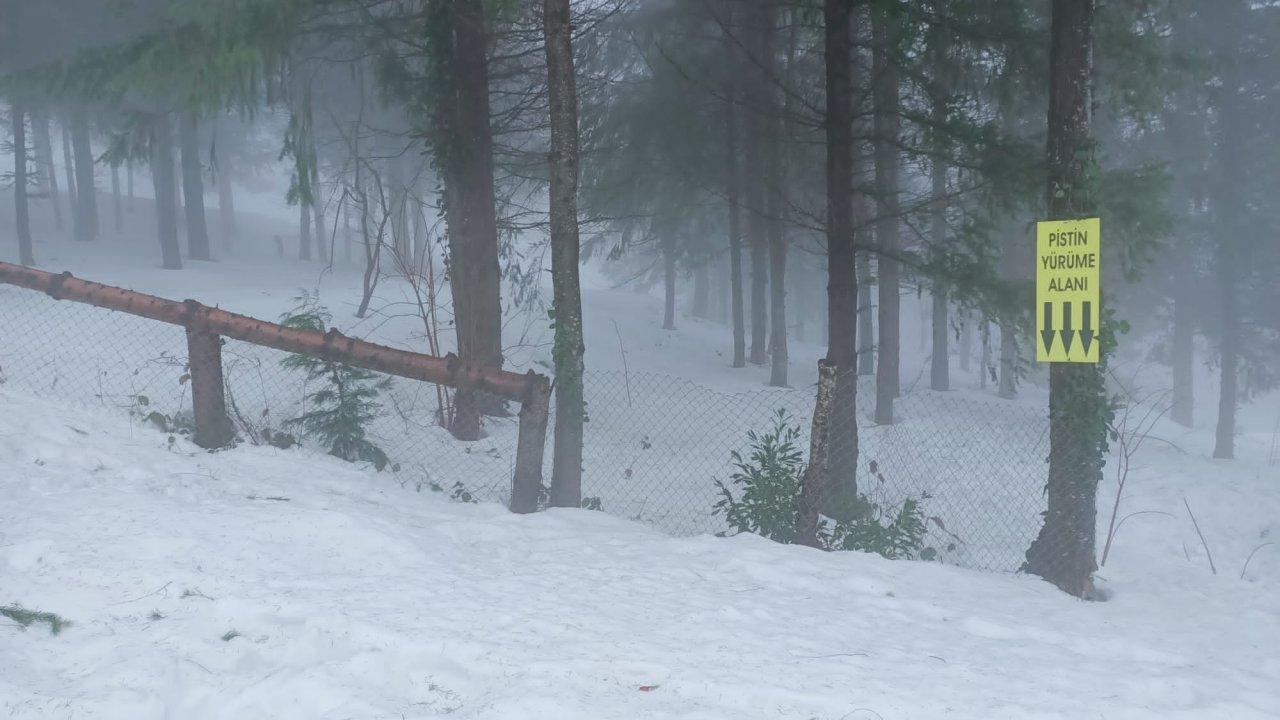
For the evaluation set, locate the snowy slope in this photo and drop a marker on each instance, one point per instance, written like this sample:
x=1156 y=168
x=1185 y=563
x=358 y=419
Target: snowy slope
x=355 y=598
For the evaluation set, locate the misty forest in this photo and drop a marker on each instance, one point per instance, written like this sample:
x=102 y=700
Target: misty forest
x=815 y=359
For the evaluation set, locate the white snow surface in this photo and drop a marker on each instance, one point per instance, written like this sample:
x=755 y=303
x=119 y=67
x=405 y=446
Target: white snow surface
x=353 y=597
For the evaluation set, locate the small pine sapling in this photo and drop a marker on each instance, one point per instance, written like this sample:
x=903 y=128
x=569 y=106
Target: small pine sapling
x=347 y=399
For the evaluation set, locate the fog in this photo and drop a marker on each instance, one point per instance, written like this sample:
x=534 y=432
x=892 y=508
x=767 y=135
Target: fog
x=825 y=272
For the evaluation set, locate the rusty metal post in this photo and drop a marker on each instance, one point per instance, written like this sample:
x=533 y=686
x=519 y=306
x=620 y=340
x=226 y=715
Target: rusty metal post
x=208 y=398
x=526 y=483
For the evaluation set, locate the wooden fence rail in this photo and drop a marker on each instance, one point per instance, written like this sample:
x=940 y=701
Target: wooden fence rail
x=204 y=326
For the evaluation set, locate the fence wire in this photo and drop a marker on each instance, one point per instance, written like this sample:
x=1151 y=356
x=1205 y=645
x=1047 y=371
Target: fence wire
x=658 y=449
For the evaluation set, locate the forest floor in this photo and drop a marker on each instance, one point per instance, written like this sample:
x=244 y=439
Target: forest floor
x=260 y=583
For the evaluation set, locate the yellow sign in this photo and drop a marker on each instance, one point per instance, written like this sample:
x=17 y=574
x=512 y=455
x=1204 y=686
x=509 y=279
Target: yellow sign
x=1068 y=297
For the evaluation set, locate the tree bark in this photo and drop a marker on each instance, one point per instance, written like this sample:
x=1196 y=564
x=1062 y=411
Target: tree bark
x=1229 y=207
x=21 y=210
x=162 y=173
x=701 y=292
x=1182 y=347
x=842 y=282
x=44 y=155
x=400 y=238
x=86 y=216
x=323 y=236
x=1008 y=359
x=863 y=172
x=226 y=194
x=759 y=28
x=193 y=188
x=304 y=231
x=471 y=208
x=885 y=96
x=940 y=362
x=1063 y=552
x=569 y=344
x=117 y=203
x=668 y=240
x=733 y=191
x=814 y=483
x=69 y=172
x=776 y=162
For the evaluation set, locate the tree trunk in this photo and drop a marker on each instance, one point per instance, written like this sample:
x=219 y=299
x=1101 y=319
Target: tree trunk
x=1063 y=552
x=1010 y=271
x=668 y=240
x=866 y=317
x=1182 y=349
x=117 y=203
x=733 y=192
x=759 y=28
x=701 y=292
x=986 y=370
x=193 y=188
x=776 y=164
x=1229 y=208
x=69 y=172
x=166 y=199
x=863 y=171
x=421 y=240
x=226 y=194
x=940 y=364
x=323 y=237
x=885 y=97
x=1008 y=360
x=842 y=282
x=399 y=209
x=44 y=155
x=470 y=210
x=815 y=481
x=86 y=216
x=304 y=231
x=566 y=475
x=802 y=308
x=21 y=210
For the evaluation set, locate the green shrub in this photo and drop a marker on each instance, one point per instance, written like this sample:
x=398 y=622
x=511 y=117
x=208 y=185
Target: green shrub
x=26 y=618
x=346 y=401
x=767 y=484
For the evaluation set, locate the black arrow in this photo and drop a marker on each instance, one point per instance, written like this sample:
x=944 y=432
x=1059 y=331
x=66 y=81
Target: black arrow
x=1086 y=334
x=1047 y=333
x=1067 y=333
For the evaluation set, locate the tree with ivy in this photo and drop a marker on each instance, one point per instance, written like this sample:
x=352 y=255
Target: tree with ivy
x=1079 y=408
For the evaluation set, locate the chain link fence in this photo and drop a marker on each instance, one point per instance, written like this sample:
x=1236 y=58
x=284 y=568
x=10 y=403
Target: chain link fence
x=658 y=449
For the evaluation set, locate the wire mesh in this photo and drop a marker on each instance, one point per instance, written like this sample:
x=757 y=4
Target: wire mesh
x=655 y=446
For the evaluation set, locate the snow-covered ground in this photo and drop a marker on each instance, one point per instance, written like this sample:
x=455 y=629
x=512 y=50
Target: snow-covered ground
x=261 y=583
x=354 y=594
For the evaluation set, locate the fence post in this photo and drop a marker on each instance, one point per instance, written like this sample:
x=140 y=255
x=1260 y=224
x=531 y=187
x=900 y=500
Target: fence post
x=208 y=398
x=526 y=483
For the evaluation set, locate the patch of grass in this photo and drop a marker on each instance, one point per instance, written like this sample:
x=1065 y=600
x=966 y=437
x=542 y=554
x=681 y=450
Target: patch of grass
x=26 y=618
x=230 y=635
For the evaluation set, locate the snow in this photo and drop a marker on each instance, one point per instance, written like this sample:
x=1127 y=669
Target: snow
x=355 y=597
